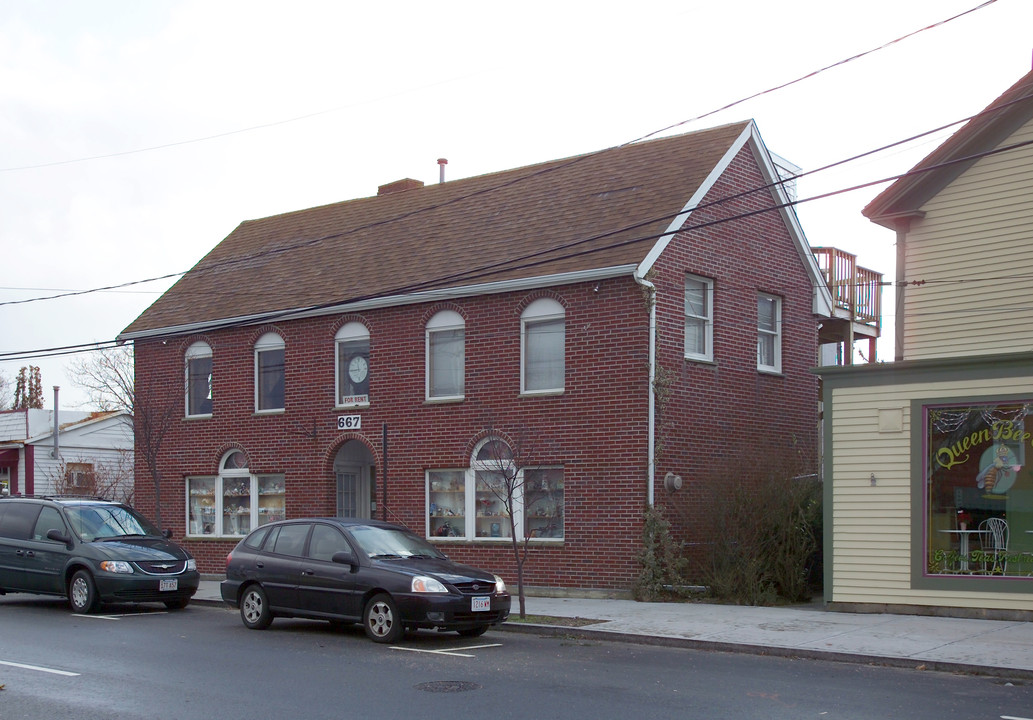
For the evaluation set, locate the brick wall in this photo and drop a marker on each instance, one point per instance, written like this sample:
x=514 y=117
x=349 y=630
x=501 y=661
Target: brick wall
x=597 y=429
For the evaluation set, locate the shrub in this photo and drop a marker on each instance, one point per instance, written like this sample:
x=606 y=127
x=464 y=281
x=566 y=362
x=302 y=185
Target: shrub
x=660 y=558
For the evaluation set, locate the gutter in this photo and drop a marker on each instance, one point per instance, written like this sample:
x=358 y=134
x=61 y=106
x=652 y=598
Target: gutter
x=651 y=460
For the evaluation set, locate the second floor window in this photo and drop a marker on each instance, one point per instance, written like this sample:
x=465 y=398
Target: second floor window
x=699 y=318
x=446 y=356
x=769 y=333
x=199 y=379
x=542 y=338
x=269 y=372
x=352 y=342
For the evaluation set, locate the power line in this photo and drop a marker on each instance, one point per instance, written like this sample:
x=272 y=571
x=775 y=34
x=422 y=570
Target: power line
x=483 y=191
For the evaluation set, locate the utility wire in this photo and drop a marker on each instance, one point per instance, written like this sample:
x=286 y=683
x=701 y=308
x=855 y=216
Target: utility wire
x=508 y=183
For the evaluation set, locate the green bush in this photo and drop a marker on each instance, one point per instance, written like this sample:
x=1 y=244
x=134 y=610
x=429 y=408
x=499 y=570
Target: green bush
x=660 y=558
x=764 y=538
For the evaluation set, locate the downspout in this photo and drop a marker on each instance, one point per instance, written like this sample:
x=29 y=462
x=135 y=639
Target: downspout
x=651 y=289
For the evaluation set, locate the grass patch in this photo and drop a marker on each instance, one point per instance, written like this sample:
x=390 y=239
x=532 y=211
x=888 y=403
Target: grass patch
x=553 y=620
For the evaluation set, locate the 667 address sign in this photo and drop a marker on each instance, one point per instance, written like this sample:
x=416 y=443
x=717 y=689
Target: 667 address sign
x=349 y=422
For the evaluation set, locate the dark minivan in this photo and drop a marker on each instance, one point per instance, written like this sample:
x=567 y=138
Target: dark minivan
x=358 y=571
x=90 y=551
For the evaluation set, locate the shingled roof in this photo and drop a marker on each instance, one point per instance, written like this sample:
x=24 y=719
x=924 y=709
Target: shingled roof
x=560 y=219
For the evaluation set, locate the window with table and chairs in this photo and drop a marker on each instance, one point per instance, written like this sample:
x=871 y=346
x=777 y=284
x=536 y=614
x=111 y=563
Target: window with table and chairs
x=979 y=489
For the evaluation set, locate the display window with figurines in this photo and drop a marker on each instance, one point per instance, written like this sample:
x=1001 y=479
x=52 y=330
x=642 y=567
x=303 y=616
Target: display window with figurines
x=446 y=503
x=476 y=503
x=271 y=497
x=201 y=506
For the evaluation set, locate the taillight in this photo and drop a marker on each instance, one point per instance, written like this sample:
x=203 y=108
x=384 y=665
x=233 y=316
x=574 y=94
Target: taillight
x=229 y=556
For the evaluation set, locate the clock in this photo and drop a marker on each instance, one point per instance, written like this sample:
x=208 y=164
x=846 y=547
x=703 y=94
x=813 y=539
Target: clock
x=358 y=369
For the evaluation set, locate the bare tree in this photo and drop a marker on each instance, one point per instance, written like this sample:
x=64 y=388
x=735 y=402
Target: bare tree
x=6 y=392
x=111 y=479
x=529 y=493
x=109 y=378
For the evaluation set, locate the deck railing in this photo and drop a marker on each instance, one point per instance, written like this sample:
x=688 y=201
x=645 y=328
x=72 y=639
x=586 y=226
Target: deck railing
x=855 y=289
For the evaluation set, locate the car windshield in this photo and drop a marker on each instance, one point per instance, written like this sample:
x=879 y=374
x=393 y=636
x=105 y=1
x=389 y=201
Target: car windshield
x=378 y=542
x=99 y=522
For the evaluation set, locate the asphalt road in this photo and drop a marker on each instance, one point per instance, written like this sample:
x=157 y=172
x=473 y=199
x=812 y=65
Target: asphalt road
x=201 y=662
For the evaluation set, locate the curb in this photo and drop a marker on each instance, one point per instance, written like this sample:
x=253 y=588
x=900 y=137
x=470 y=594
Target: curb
x=583 y=633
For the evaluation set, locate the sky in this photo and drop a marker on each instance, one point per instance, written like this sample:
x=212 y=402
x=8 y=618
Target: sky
x=137 y=135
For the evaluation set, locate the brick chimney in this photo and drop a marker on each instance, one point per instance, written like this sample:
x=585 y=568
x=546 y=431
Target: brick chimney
x=399 y=186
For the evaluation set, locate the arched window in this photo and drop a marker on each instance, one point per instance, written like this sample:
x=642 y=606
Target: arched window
x=269 y=373
x=352 y=348
x=199 y=379
x=234 y=502
x=542 y=347
x=476 y=503
x=446 y=356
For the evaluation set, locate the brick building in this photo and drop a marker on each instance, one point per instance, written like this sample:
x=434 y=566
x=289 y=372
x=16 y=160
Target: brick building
x=598 y=324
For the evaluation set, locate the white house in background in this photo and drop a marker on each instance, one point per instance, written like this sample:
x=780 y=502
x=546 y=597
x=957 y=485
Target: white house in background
x=94 y=453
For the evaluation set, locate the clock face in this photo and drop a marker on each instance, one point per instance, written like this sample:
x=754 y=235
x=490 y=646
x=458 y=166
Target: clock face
x=358 y=369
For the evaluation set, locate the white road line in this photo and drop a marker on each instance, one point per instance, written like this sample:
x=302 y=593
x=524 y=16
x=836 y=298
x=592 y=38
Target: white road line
x=39 y=669
x=1014 y=717
x=455 y=652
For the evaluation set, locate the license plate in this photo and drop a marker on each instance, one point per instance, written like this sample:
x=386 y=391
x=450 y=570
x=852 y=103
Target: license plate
x=165 y=585
x=481 y=604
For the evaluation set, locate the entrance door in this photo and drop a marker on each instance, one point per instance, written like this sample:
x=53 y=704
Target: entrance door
x=354 y=471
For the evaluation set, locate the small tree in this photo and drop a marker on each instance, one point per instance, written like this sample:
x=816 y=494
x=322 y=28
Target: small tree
x=111 y=479
x=510 y=472
x=6 y=393
x=28 y=389
x=109 y=378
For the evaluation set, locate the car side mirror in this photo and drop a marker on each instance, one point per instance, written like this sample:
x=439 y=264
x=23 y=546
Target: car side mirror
x=344 y=558
x=167 y=533
x=58 y=536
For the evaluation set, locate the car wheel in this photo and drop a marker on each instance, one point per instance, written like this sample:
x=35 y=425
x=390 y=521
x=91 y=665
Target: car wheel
x=381 y=620
x=474 y=632
x=82 y=593
x=177 y=604
x=254 y=608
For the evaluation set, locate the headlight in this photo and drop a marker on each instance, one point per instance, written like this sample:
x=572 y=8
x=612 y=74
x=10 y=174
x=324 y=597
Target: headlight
x=424 y=584
x=191 y=564
x=116 y=566
x=500 y=585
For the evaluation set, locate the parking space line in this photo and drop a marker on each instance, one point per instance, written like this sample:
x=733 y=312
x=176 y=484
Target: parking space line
x=39 y=669
x=455 y=652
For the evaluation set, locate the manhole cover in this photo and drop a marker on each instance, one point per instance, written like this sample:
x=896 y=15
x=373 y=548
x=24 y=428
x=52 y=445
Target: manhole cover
x=448 y=686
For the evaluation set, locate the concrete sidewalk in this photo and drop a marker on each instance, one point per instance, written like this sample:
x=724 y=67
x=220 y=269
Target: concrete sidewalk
x=987 y=647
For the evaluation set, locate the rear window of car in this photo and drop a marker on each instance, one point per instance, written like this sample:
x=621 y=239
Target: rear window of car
x=290 y=540
x=18 y=520
x=254 y=540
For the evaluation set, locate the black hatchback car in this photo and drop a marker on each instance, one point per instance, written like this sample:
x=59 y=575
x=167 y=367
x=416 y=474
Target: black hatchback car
x=358 y=571
x=90 y=551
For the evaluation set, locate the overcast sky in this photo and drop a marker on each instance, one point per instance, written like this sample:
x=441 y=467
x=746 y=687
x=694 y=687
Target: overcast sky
x=137 y=135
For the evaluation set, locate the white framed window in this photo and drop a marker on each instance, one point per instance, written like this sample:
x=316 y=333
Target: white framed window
x=769 y=333
x=471 y=504
x=542 y=347
x=352 y=350
x=446 y=356
x=236 y=501
x=199 y=380
x=699 y=318
x=269 y=373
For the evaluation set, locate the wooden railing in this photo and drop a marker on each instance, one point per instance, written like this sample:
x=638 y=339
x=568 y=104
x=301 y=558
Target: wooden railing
x=855 y=289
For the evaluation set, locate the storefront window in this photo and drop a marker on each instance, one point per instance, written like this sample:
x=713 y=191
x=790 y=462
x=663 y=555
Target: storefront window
x=979 y=489
x=234 y=503
x=475 y=503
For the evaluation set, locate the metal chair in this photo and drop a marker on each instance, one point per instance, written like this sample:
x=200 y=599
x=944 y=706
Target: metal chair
x=993 y=537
